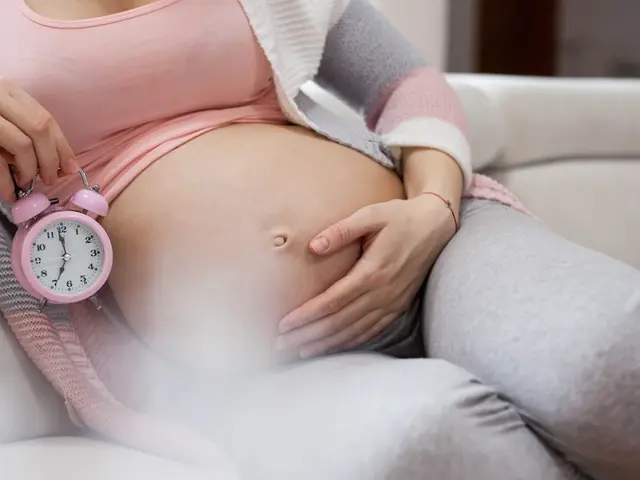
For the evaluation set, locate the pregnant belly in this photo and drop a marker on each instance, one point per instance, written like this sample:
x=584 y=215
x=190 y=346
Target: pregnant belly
x=211 y=241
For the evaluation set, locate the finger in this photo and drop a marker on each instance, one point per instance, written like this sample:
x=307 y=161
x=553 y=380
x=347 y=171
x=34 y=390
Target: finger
x=7 y=188
x=14 y=141
x=343 y=233
x=48 y=160
x=20 y=109
x=68 y=165
x=359 y=329
x=406 y=296
x=329 y=326
x=331 y=301
x=369 y=334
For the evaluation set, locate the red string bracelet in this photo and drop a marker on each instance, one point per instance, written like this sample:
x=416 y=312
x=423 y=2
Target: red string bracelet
x=448 y=204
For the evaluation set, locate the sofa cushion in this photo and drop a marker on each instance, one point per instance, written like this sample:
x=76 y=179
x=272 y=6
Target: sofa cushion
x=591 y=201
x=81 y=458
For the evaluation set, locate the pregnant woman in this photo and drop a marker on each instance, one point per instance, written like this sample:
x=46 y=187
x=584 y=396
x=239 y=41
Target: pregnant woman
x=251 y=227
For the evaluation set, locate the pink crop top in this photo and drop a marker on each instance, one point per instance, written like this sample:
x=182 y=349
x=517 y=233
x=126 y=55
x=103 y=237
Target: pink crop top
x=128 y=88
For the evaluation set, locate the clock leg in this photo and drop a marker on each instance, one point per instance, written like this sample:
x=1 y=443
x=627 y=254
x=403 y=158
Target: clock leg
x=43 y=304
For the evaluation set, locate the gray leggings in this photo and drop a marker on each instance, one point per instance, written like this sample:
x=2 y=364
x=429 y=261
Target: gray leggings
x=554 y=327
x=527 y=332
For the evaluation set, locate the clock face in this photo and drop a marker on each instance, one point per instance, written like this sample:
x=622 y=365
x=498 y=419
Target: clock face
x=67 y=257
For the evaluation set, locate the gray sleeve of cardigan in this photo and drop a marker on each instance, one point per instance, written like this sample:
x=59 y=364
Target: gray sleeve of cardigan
x=365 y=57
x=373 y=68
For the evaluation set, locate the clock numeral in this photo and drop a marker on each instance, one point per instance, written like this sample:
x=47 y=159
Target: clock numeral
x=50 y=235
x=62 y=229
x=95 y=253
x=88 y=239
x=77 y=231
x=69 y=283
x=93 y=267
x=83 y=279
x=54 y=282
x=44 y=273
x=41 y=247
x=37 y=260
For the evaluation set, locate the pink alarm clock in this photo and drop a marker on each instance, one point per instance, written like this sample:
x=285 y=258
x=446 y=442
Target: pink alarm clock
x=61 y=255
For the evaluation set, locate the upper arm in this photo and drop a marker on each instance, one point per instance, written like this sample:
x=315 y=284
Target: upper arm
x=365 y=57
x=370 y=65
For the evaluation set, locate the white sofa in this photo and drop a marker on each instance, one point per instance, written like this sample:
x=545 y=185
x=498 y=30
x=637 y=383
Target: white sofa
x=569 y=148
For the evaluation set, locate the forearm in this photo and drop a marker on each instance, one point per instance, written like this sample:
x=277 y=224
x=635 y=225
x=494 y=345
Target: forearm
x=429 y=170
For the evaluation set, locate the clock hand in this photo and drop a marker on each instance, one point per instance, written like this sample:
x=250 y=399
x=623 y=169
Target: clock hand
x=62 y=241
x=61 y=272
x=62 y=267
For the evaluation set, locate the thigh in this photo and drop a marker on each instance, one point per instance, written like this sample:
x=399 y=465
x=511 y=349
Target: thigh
x=554 y=326
x=369 y=417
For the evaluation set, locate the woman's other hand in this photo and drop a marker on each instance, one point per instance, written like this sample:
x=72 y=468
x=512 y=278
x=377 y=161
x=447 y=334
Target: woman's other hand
x=401 y=240
x=31 y=142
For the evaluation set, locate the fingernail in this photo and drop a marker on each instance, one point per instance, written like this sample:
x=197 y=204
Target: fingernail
x=285 y=327
x=320 y=245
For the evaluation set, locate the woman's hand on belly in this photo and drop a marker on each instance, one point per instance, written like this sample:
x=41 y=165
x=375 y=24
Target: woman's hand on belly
x=31 y=142
x=402 y=239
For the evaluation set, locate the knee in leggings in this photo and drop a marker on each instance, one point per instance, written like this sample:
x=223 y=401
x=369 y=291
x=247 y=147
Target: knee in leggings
x=595 y=418
x=464 y=430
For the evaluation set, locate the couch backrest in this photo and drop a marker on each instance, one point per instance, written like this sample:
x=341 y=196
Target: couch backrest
x=570 y=149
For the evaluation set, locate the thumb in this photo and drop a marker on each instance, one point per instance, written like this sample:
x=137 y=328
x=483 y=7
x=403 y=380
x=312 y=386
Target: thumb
x=365 y=221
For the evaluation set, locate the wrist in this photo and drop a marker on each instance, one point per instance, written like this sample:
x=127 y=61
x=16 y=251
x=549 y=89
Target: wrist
x=435 y=221
x=446 y=204
x=428 y=170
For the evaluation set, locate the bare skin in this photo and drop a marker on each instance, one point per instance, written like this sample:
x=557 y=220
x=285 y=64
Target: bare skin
x=207 y=264
x=82 y=9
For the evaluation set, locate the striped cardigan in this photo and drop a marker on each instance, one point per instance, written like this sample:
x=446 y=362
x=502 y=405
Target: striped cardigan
x=350 y=49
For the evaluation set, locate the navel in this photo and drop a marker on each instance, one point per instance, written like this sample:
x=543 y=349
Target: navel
x=280 y=240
